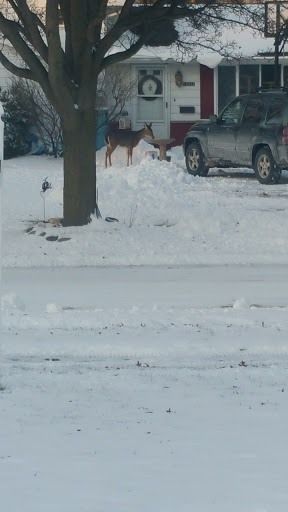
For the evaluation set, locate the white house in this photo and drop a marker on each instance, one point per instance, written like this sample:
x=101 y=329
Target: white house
x=174 y=95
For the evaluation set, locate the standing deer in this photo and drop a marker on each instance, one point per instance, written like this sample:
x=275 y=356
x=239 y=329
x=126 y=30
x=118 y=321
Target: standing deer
x=126 y=139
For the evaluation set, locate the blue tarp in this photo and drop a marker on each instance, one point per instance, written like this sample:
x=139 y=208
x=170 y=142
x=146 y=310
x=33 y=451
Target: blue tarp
x=101 y=128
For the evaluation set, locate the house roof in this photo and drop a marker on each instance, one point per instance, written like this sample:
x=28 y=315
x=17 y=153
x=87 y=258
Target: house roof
x=248 y=44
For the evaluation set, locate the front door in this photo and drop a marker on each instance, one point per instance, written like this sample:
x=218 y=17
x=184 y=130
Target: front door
x=150 y=104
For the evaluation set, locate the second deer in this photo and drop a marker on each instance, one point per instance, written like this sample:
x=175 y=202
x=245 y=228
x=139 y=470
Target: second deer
x=126 y=139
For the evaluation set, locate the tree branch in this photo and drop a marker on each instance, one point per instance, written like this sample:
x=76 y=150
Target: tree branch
x=31 y=22
x=58 y=78
x=11 y=30
x=120 y=56
x=15 y=70
x=96 y=21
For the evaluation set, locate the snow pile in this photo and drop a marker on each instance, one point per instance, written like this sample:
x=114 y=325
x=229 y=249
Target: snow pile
x=166 y=216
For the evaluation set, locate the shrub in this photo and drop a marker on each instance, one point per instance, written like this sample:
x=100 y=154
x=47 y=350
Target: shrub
x=17 y=123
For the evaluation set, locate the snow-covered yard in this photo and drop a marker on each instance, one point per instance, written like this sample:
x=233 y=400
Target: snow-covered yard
x=165 y=215
x=144 y=362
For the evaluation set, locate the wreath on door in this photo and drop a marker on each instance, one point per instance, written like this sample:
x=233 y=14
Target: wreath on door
x=148 y=86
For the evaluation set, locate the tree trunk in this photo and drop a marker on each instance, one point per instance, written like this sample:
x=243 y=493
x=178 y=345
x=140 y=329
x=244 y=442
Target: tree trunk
x=79 y=142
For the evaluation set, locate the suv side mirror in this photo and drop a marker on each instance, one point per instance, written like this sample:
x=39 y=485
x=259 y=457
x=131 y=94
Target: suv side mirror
x=213 y=118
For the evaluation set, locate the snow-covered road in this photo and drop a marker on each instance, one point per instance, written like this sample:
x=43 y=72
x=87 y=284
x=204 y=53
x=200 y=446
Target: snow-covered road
x=205 y=286
x=147 y=310
x=144 y=388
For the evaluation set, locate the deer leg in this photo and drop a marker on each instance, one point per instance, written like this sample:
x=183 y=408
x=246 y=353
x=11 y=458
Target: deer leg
x=108 y=154
x=109 y=157
x=129 y=156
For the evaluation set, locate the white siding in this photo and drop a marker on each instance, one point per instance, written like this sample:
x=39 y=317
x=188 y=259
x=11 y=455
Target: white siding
x=187 y=95
x=6 y=76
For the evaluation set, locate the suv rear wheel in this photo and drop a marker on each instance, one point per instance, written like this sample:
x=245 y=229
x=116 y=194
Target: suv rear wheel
x=195 y=162
x=265 y=167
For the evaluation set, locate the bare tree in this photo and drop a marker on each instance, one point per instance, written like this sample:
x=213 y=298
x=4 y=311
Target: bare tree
x=68 y=72
x=114 y=92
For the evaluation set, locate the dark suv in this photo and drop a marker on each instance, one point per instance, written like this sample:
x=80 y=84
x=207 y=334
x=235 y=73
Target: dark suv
x=252 y=131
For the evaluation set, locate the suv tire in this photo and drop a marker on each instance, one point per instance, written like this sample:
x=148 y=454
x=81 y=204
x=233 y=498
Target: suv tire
x=195 y=162
x=265 y=167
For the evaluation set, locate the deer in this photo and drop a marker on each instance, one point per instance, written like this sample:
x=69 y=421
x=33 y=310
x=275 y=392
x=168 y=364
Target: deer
x=126 y=139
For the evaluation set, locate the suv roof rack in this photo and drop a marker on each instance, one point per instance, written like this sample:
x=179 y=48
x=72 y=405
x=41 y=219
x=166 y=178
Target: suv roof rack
x=274 y=89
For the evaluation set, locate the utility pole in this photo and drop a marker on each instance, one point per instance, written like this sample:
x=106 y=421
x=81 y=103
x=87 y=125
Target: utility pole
x=1 y=211
x=276 y=27
x=277 y=43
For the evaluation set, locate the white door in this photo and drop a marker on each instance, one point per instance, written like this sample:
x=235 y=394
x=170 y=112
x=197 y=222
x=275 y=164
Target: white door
x=150 y=104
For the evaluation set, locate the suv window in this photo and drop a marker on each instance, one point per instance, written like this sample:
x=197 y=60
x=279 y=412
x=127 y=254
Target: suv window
x=232 y=113
x=275 y=110
x=253 y=111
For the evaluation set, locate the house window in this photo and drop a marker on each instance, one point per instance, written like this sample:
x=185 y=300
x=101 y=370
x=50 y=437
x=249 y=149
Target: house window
x=226 y=85
x=248 y=78
x=285 y=76
x=267 y=76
